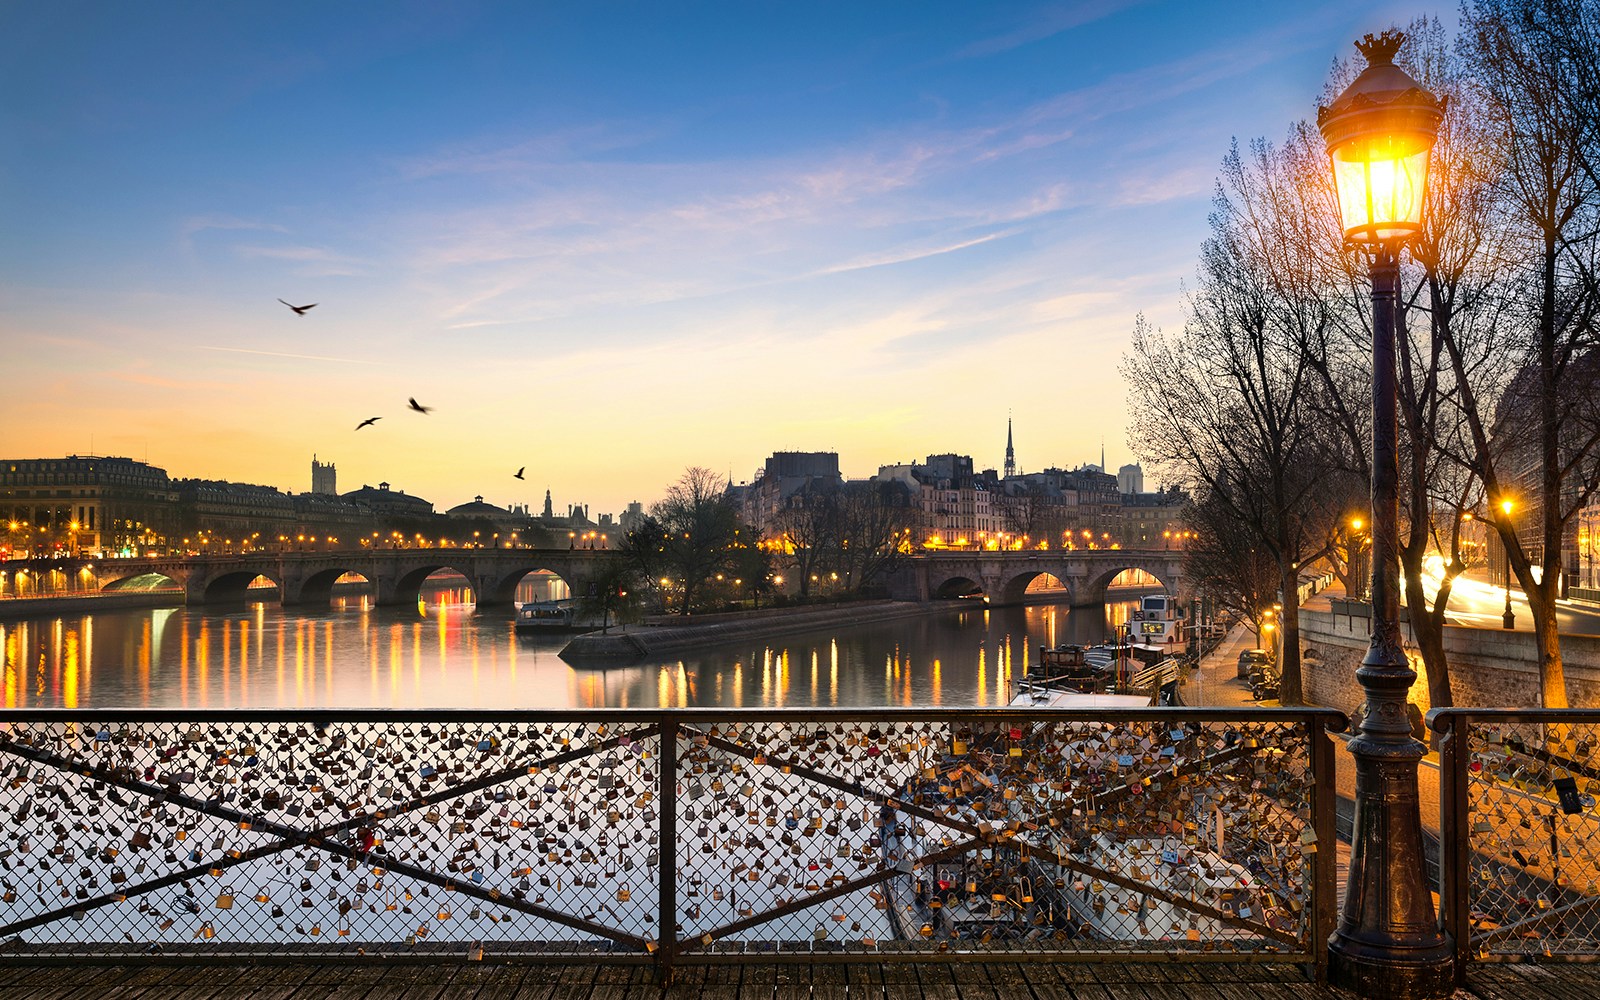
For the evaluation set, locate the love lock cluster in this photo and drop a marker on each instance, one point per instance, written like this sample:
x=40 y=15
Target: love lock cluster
x=653 y=830
x=1533 y=848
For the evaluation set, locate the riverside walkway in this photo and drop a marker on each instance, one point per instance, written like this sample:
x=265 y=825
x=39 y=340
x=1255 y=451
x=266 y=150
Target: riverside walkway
x=358 y=980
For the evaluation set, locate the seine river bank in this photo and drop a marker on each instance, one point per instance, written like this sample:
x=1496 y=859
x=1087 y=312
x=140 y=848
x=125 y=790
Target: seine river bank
x=447 y=655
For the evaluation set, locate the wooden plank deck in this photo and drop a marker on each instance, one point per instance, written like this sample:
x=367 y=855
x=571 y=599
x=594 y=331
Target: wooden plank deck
x=746 y=981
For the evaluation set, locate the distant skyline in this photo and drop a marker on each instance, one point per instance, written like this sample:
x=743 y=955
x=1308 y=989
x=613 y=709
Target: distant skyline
x=610 y=241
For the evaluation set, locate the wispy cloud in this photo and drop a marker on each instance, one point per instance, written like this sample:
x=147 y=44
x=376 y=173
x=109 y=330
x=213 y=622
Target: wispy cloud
x=526 y=154
x=566 y=228
x=906 y=256
x=286 y=354
x=1044 y=23
x=316 y=261
x=199 y=223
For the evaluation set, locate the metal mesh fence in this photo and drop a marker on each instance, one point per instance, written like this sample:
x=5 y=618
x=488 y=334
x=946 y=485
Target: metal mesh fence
x=766 y=832
x=1523 y=874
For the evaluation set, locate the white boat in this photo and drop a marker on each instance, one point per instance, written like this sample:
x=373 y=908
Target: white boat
x=1158 y=622
x=1032 y=695
x=1157 y=642
x=547 y=616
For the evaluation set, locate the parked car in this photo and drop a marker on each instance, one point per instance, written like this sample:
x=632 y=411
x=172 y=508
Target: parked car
x=1251 y=658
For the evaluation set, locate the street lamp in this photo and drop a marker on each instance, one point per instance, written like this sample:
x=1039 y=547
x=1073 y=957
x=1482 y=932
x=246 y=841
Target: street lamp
x=1508 y=618
x=1355 y=562
x=1380 y=132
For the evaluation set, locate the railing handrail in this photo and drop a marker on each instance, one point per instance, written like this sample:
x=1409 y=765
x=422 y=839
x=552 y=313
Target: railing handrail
x=1439 y=718
x=1332 y=720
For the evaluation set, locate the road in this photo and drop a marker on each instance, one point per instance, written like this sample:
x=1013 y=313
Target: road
x=1475 y=601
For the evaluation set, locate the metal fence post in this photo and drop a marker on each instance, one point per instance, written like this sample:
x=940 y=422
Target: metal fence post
x=1454 y=831
x=667 y=873
x=1325 y=863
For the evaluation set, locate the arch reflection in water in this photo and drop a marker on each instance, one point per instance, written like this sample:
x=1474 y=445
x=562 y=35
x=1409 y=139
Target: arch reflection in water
x=353 y=654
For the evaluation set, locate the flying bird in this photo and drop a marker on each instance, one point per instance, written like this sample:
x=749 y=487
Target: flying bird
x=520 y=472
x=299 y=310
x=419 y=407
x=369 y=420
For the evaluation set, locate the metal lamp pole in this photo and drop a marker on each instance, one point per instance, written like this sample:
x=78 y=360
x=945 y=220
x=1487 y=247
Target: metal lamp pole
x=1509 y=618
x=1388 y=944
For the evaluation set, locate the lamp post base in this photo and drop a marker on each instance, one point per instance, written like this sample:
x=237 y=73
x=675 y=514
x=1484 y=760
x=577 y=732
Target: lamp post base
x=1392 y=973
x=1509 y=619
x=1389 y=943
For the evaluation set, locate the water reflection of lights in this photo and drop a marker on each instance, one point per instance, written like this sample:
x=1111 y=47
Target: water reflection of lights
x=354 y=654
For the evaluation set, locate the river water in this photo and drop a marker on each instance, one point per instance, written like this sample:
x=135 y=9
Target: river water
x=444 y=654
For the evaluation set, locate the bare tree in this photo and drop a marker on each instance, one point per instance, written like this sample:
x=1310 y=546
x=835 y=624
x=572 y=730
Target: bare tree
x=1449 y=283
x=873 y=524
x=1533 y=63
x=1226 y=408
x=1223 y=561
x=804 y=534
x=1029 y=510
x=694 y=526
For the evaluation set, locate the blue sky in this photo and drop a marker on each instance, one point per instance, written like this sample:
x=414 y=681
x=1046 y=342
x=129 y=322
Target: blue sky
x=609 y=241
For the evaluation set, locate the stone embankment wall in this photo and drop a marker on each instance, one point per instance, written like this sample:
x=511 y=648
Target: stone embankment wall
x=1489 y=668
x=88 y=604
x=680 y=634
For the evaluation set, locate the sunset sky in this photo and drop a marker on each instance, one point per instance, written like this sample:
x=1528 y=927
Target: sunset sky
x=609 y=241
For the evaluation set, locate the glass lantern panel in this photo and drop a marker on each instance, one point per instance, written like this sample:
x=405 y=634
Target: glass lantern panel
x=1380 y=189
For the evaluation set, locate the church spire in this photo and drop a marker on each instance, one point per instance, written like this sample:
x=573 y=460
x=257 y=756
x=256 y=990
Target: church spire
x=1011 y=453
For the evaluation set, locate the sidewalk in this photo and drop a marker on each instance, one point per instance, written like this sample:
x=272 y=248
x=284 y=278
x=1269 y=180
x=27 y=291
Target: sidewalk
x=1217 y=681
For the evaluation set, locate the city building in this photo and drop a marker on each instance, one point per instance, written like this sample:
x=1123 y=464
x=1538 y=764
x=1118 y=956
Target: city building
x=1152 y=520
x=631 y=518
x=85 y=504
x=1011 y=453
x=384 y=502
x=1588 y=574
x=1130 y=479
x=955 y=505
x=324 y=478
x=1517 y=450
x=215 y=515
x=506 y=521
x=784 y=476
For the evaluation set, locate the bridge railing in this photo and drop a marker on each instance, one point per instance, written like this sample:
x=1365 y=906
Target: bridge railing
x=1521 y=850
x=669 y=836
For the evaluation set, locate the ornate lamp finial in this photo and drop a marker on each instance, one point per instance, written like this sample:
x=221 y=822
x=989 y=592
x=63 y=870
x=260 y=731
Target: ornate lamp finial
x=1380 y=49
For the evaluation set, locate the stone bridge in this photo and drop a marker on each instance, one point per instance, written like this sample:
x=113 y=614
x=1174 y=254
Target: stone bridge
x=1003 y=576
x=395 y=575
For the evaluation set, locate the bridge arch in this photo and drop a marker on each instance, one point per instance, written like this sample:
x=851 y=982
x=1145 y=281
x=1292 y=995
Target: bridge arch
x=229 y=585
x=1015 y=589
x=959 y=586
x=1095 y=586
x=317 y=587
x=138 y=581
x=498 y=586
x=405 y=587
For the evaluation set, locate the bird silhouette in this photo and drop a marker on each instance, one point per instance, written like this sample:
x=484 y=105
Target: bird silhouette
x=299 y=310
x=369 y=420
x=419 y=407
x=520 y=472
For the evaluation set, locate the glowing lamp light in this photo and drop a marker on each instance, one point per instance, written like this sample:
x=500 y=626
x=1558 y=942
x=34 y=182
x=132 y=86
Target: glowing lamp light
x=1380 y=132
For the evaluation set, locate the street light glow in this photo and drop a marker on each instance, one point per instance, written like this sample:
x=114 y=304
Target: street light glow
x=1380 y=132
